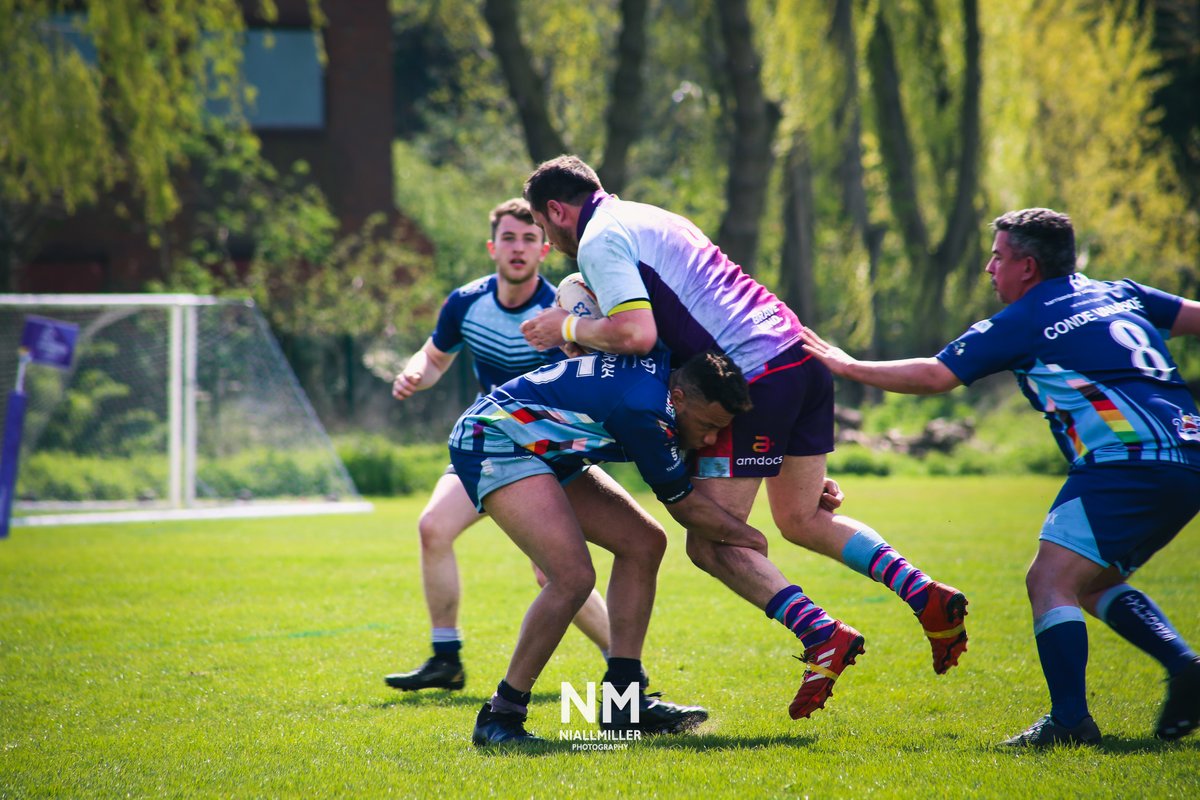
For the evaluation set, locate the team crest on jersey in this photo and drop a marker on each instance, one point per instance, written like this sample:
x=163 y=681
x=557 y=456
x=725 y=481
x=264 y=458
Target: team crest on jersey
x=983 y=326
x=475 y=286
x=1079 y=281
x=1188 y=427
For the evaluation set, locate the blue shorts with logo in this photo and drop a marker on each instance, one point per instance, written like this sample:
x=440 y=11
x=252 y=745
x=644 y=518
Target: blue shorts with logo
x=484 y=473
x=792 y=416
x=1121 y=513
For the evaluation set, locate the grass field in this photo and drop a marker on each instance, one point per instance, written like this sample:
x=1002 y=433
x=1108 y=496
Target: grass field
x=245 y=659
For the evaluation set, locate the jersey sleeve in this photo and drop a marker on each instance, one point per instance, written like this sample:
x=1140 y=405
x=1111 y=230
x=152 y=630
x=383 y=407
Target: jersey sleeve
x=609 y=263
x=1162 y=308
x=989 y=346
x=447 y=334
x=646 y=431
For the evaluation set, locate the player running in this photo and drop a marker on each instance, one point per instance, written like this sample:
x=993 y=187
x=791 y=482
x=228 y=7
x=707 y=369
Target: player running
x=485 y=316
x=1090 y=355
x=657 y=276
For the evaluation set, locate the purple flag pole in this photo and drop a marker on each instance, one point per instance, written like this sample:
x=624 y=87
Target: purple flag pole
x=14 y=421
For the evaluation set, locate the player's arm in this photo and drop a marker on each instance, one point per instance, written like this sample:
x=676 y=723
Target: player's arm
x=631 y=331
x=424 y=368
x=1187 y=322
x=907 y=375
x=701 y=516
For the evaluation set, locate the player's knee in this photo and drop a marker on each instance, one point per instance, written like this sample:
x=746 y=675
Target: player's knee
x=574 y=583
x=798 y=527
x=435 y=533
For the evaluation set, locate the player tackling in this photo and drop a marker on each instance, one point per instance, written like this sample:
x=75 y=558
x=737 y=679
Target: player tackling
x=658 y=276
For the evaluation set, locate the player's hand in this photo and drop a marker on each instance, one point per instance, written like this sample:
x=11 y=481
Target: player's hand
x=545 y=330
x=838 y=361
x=405 y=385
x=574 y=350
x=831 y=495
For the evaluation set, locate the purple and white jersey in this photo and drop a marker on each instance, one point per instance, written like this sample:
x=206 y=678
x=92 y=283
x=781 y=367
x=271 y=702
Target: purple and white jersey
x=635 y=255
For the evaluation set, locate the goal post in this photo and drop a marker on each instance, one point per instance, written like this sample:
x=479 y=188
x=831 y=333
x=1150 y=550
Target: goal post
x=176 y=406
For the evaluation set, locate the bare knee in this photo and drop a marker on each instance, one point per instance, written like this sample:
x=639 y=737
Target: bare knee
x=436 y=533
x=571 y=583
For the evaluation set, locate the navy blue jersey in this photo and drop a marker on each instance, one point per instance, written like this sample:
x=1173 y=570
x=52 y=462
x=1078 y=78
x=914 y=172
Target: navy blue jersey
x=1091 y=356
x=586 y=410
x=472 y=315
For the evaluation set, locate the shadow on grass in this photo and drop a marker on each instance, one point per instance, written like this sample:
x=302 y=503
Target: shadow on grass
x=444 y=698
x=1112 y=745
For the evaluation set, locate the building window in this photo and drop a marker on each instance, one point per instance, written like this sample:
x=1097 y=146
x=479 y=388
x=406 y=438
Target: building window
x=285 y=70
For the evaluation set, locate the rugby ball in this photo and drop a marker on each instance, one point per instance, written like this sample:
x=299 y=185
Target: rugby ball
x=577 y=297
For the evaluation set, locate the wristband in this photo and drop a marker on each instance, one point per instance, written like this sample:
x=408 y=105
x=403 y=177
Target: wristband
x=568 y=327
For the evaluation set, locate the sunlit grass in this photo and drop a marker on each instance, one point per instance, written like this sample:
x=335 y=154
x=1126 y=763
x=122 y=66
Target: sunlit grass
x=246 y=658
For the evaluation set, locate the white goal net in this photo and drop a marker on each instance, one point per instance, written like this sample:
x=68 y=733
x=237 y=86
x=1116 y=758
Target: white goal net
x=174 y=406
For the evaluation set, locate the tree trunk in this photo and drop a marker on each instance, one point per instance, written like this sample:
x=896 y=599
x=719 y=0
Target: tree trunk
x=930 y=267
x=525 y=86
x=848 y=122
x=623 y=122
x=797 y=284
x=750 y=156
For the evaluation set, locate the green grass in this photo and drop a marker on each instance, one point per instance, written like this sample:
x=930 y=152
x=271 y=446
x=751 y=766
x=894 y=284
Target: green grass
x=245 y=659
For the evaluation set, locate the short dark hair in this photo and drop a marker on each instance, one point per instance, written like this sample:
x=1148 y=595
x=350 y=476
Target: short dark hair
x=1043 y=234
x=565 y=179
x=513 y=207
x=715 y=377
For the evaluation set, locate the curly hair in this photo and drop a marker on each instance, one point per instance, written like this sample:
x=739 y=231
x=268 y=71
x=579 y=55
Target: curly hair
x=715 y=377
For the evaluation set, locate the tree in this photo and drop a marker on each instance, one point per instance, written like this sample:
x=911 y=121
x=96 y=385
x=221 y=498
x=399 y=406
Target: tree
x=116 y=96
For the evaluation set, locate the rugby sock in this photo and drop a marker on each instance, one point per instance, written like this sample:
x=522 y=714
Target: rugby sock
x=867 y=553
x=508 y=700
x=624 y=671
x=801 y=616
x=1062 y=647
x=446 y=643
x=1135 y=617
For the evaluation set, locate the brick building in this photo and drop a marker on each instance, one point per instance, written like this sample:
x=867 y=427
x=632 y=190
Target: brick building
x=338 y=117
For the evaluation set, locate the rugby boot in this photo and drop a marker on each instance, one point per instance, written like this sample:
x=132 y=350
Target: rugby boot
x=1047 y=733
x=943 y=620
x=823 y=664
x=496 y=728
x=655 y=716
x=1181 y=710
x=436 y=673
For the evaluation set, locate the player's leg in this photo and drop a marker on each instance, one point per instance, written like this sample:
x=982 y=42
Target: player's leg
x=592 y=619
x=1055 y=581
x=793 y=416
x=448 y=513
x=1133 y=511
x=829 y=645
x=536 y=515
x=1138 y=619
x=612 y=519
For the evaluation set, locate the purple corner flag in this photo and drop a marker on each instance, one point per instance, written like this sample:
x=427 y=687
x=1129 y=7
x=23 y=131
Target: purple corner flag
x=49 y=341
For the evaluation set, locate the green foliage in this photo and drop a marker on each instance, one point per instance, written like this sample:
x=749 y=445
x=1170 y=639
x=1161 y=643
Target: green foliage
x=382 y=468
x=75 y=127
x=70 y=477
x=244 y=658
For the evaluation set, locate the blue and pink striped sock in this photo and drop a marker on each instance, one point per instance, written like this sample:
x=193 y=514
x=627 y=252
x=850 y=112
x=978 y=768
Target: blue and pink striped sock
x=801 y=616
x=868 y=554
